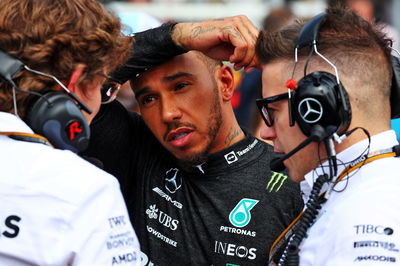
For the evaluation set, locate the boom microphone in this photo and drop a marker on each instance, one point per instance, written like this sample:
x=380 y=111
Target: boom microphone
x=317 y=135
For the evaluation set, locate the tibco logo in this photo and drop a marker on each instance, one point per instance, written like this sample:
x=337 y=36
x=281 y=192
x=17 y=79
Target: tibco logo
x=235 y=250
x=373 y=229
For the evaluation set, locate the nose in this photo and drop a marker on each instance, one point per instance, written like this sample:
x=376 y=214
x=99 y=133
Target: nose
x=267 y=133
x=170 y=111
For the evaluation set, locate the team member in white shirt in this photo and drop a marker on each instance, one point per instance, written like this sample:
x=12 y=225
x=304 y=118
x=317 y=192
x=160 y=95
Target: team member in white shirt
x=352 y=219
x=56 y=208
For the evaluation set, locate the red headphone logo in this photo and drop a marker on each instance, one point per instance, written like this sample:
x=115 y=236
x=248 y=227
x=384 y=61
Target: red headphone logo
x=74 y=129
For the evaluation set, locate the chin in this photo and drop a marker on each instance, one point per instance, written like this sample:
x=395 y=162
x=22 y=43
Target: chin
x=191 y=159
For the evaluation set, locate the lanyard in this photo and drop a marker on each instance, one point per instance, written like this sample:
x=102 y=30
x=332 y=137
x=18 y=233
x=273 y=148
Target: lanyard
x=288 y=232
x=27 y=137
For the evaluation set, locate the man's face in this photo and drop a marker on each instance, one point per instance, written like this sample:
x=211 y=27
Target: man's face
x=180 y=103
x=284 y=137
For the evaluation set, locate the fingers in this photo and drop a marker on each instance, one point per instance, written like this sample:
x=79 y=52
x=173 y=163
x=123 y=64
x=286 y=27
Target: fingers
x=212 y=37
x=244 y=42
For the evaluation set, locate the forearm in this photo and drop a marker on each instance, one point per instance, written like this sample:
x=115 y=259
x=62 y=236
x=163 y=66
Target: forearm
x=223 y=39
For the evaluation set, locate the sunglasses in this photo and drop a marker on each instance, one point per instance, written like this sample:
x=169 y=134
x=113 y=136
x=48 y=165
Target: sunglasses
x=267 y=113
x=109 y=91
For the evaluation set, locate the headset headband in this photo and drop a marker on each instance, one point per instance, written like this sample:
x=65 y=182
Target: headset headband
x=308 y=36
x=309 y=32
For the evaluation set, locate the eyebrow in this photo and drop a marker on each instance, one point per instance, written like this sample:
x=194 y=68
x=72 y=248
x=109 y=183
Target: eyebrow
x=176 y=76
x=164 y=80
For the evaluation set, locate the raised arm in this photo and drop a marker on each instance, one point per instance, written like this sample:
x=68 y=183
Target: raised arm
x=229 y=39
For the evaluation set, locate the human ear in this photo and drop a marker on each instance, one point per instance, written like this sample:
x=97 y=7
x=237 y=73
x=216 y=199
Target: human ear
x=75 y=76
x=226 y=82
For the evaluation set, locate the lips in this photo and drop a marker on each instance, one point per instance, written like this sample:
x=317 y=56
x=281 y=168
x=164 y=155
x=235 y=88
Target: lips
x=179 y=137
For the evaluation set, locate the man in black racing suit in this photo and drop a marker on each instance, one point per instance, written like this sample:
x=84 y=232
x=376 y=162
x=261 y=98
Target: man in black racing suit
x=224 y=208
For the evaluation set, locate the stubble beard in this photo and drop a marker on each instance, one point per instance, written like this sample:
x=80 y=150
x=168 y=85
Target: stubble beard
x=214 y=125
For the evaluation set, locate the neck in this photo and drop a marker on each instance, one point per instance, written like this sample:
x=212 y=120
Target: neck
x=234 y=135
x=228 y=136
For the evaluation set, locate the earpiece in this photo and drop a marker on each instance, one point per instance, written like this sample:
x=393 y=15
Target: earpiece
x=320 y=98
x=55 y=116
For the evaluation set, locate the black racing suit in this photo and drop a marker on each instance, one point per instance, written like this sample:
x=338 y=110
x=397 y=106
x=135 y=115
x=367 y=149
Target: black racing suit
x=227 y=211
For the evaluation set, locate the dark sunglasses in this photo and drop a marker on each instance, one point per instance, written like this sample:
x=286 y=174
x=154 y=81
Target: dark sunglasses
x=266 y=112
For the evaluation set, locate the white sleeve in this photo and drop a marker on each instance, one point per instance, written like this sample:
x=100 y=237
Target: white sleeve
x=101 y=232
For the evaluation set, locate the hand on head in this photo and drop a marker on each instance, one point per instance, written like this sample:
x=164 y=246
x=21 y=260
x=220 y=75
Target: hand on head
x=228 y=39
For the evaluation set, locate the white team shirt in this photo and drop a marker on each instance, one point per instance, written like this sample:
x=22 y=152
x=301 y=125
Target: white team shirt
x=58 y=209
x=360 y=223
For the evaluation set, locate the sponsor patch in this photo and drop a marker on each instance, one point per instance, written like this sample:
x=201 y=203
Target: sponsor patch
x=233 y=250
x=276 y=181
x=376 y=258
x=240 y=216
x=363 y=229
x=376 y=244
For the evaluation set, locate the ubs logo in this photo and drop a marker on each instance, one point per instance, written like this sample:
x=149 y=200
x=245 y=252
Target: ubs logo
x=162 y=217
x=173 y=180
x=231 y=157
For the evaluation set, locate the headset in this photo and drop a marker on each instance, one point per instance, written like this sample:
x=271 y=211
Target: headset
x=54 y=115
x=320 y=105
x=320 y=98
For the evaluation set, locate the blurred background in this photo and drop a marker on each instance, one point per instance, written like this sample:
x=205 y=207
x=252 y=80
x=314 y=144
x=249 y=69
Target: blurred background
x=270 y=15
x=194 y=10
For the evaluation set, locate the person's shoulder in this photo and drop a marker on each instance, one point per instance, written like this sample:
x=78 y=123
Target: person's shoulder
x=68 y=174
x=77 y=167
x=114 y=112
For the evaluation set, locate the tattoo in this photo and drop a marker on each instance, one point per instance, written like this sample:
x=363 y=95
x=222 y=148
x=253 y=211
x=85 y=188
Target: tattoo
x=232 y=31
x=233 y=133
x=179 y=38
x=197 y=31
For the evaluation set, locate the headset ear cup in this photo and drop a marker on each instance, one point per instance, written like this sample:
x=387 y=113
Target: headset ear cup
x=56 y=117
x=320 y=100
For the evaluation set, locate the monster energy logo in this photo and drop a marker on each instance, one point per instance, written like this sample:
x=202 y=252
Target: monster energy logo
x=276 y=181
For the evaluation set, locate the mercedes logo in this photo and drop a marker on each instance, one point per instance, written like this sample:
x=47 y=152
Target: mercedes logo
x=173 y=180
x=310 y=110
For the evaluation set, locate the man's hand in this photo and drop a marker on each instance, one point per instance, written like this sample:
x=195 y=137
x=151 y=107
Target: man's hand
x=229 y=39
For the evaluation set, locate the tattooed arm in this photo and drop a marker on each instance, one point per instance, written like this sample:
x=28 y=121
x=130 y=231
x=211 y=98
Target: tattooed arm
x=231 y=38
